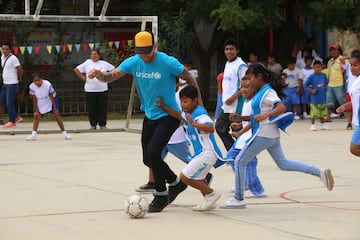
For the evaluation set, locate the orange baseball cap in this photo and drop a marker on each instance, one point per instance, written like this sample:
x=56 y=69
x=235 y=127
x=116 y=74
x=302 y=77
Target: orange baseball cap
x=144 y=42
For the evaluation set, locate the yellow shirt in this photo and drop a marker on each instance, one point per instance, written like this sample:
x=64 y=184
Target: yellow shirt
x=336 y=78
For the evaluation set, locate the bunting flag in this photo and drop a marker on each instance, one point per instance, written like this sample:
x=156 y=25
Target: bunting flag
x=84 y=46
x=123 y=43
x=117 y=43
x=62 y=48
x=57 y=47
x=29 y=49
x=15 y=50
x=69 y=47
x=37 y=49
x=77 y=46
x=49 y=48
x=22 y=49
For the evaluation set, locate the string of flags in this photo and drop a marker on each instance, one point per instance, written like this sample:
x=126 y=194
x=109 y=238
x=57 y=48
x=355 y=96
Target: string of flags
x=62 y=48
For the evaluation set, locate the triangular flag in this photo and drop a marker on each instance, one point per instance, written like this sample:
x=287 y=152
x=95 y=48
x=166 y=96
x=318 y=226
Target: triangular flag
x=69 y=46
x=111 y=44
x=63 y=48
x=123 y=43
x=49 y=48
x=16 y=50
x=37 y=49
x=77 y=46
x=91 y=45
x=22 y=49
x=57 y=47
x=29 y=49
x=130 y=43
x=117 y=43
x=97 y=45
x=84 y=46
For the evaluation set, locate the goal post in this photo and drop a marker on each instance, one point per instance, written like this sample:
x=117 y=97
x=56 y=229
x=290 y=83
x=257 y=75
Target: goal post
x=90 y=18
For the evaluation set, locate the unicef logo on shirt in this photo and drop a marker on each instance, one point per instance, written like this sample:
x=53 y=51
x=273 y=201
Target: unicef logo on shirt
x=152 y=75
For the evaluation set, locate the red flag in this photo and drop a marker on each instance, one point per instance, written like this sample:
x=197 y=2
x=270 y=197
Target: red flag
x=16 y=50
x=37 y=49
x=63 y=48
x=84 y=46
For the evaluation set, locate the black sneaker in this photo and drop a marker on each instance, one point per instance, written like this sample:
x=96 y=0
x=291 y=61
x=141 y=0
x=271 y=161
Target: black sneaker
x=176 y=190
x=349 y=126
x=208 y=178
x=158 y=203
x=146 y=188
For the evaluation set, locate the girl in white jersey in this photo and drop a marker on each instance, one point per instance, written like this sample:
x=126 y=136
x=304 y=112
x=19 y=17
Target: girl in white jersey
x=44 y=101
x=354 y=92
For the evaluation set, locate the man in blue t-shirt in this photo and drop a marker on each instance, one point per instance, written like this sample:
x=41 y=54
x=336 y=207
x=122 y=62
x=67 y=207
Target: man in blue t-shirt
x=154 y=73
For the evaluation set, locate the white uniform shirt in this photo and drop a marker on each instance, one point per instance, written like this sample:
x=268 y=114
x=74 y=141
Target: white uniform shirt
x=354 y=91
x=10 y=74
x=269 y=129
x=246 y=111
x=292 y=77
x=233 y=73
x=41 y=93
x=93 y=84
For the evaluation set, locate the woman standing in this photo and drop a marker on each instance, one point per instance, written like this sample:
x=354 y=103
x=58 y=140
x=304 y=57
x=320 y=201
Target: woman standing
x=95 y=90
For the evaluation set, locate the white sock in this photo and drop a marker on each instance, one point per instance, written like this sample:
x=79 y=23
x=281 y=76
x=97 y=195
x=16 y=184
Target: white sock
x=64 y=133
x=34 y=133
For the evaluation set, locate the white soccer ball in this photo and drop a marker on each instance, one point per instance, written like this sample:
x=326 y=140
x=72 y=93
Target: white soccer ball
x=136 y=206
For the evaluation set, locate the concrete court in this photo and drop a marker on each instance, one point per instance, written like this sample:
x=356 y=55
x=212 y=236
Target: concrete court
x=74 y=190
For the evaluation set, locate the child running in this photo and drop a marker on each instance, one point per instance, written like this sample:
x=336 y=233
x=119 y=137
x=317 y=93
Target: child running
x=266 y=135
x=44 y=101
x=242 y=122
x=354 y=92
x=252 y=180
x=200 y=130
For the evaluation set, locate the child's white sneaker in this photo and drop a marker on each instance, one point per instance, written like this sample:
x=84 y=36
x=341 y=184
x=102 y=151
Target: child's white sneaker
x=260 y=195
x=313 y=127
x=324 y=127
x=327 y=178
x=209 y=202
x=32 y=137
x=233 y=204
x=66 y=135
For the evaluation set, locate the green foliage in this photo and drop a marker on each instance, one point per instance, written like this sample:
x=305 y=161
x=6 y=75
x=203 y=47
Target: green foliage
x=176 y=38
x=234 y=15
x=340 y=14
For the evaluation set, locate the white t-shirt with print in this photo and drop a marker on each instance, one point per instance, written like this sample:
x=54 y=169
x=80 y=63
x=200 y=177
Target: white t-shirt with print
x=93 y=84
x=41 y=93
x=293 y=76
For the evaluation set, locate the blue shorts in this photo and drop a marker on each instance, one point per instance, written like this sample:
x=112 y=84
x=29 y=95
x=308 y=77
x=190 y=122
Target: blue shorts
x=356 y=136
x=57 y=105
x=305 y=97
x=292 y=97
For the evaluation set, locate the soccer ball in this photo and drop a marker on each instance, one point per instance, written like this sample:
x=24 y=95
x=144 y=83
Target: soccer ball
x=136 y=206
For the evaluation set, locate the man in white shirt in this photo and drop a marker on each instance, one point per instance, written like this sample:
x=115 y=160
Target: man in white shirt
x=235 y=69
x=12 y=73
